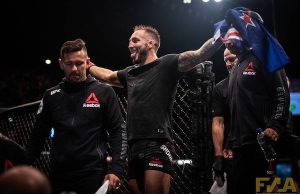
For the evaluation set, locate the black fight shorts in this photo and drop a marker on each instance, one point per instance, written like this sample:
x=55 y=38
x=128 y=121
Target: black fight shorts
x=149 y=155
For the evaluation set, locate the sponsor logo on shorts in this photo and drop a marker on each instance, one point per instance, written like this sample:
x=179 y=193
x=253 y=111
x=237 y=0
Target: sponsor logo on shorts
x=156 y=163
x=167 y=152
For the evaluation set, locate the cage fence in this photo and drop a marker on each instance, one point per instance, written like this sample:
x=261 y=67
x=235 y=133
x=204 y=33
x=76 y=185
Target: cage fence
x=191 y=117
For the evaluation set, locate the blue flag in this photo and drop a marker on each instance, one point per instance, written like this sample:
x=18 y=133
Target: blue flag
x=253 y=36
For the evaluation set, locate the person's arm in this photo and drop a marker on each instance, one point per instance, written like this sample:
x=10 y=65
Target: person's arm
x=218 y=138
x=277 y=84
x=218 y=129
x=105 y=75
x=116 y=126
x=218 y=134
x=114 y=182
x=189 y=59
x=40 y=132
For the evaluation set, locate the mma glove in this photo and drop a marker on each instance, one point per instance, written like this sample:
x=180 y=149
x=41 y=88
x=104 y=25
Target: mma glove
x=218 y=170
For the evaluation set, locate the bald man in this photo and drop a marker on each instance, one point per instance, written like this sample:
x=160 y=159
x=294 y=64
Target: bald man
x=220 y=128
x=24 y=180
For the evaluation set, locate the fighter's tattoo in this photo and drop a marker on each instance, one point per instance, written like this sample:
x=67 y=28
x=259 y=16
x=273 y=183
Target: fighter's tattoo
x=189 y=59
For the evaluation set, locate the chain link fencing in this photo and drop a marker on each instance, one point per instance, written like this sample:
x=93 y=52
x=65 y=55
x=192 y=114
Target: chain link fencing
x=191 y=116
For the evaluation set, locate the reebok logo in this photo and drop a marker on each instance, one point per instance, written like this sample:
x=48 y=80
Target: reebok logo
x=249 y=70
x=156 y=163
x=92 y=101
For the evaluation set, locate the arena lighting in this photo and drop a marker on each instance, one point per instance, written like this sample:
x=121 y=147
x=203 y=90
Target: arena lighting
x=52 y=133
x=205 y=1
x=48 y=61
x=187 y=1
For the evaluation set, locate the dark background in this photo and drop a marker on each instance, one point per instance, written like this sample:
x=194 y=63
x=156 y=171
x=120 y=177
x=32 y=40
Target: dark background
x=33 y=31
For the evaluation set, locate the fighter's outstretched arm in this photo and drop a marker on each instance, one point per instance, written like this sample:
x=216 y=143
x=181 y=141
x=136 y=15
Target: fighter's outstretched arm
x=105 y=75
x=189 y=59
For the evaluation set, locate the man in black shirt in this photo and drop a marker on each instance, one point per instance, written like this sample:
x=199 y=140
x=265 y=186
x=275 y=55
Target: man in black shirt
x=85 y=116
x=151 y=86
x=220 y=108
x=220 y=123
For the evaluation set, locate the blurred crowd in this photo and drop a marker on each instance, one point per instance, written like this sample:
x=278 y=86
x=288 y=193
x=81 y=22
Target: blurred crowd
x=21 y=88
